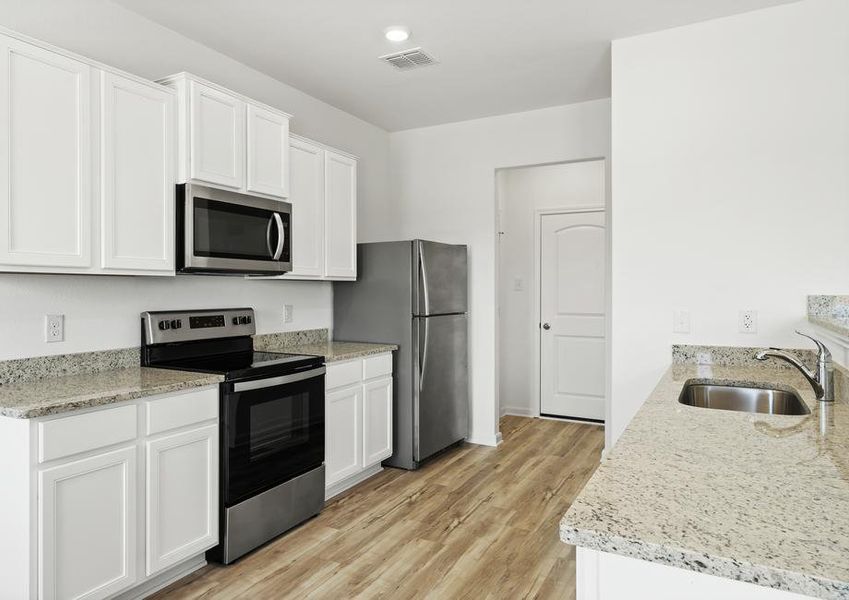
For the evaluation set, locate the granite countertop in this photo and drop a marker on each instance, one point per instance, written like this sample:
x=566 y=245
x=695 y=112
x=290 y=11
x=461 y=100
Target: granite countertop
x=830 y=312
x=756 y=498
x=51 y=395
x=331 y=350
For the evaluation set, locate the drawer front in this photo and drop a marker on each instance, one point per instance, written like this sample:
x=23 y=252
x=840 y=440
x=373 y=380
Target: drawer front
x=180 y=410
x=377 y=366
x=58 y=438
x=343 y=373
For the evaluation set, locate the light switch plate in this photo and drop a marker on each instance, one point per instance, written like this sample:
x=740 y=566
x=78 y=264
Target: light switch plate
x=288 y=313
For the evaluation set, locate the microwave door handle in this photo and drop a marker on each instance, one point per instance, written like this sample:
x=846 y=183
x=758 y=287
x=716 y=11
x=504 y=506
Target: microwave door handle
x=281 y=236
x=268 y=236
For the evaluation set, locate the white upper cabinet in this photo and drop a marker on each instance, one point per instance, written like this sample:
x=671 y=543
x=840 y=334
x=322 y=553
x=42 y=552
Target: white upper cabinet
x=307 y=198
x=217 y=129
x=86 y=165
x=45 y=158
x=228 y=140
x=340 y=218
x=268 y=152
x=137 y=175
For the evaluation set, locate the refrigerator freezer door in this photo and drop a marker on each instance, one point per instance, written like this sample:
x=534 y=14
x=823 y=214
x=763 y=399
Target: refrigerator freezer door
x=440 y=383
x=440 y=278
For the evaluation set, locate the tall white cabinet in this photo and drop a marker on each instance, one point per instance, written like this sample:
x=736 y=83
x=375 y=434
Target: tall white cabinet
x=122 y=496
x=228 y=140
x=323 y=193
x=86 y=165
x=358 y=420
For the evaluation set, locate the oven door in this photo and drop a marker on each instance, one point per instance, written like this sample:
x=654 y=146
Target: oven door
x=226 y=232
x=273 y=430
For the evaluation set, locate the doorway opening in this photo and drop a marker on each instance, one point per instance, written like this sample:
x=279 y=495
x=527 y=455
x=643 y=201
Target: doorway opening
x=553 y=268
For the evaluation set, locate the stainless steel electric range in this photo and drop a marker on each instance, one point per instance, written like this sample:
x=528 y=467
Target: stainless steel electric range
x=271 y=415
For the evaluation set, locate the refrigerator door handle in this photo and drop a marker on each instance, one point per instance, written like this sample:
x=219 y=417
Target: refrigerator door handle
x=423 y=354
x=424 y=289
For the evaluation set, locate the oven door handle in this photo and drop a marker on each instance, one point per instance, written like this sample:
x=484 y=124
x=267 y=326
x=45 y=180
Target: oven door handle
x=258 y=384
x=281 y=236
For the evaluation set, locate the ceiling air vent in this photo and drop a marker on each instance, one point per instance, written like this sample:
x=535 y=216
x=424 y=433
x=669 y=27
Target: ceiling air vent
x=409 y=59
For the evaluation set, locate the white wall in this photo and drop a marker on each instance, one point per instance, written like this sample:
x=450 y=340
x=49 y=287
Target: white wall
x=730 y=183
x=521 y=192
x=103 y=312
x=443 y=178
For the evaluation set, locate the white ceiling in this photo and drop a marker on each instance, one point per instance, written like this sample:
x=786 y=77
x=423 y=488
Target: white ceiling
x=496 y=56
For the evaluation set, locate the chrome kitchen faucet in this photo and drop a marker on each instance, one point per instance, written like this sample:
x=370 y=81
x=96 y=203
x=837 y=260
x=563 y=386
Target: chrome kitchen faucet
x=822 y=381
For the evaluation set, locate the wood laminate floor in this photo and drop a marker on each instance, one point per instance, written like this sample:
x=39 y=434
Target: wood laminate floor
x=477 y=522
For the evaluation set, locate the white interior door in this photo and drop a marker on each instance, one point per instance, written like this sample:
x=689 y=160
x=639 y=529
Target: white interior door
x=572 y=309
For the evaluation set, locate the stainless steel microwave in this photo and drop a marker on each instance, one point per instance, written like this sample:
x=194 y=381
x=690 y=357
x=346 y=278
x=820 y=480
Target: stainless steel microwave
x=229 y=233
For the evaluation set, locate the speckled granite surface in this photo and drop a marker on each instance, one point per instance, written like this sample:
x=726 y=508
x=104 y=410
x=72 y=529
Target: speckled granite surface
x=269 y=342
x=756 y=498
x=52 y=395
x=830 y=312
x=334 y=351
x=39 y=367
x=729 y=356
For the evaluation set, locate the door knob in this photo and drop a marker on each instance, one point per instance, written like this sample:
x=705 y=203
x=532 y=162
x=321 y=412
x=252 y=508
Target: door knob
x=546 y=326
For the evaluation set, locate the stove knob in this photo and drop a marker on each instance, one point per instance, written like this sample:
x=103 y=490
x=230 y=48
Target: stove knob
x=163 y=325
x=175 y=324
x=243 y=320
x=248 y=319
x=179 y=324
x=235 y=320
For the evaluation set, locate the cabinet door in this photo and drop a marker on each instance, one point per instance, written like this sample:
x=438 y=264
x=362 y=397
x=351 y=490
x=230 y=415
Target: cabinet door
x=377 y=421
x=45 y=150
x=343 y=433
x=182 y=496
x=87 y=526
x=268 y=152
x=340 y=188
x=217 y=148
x=137 y=172
x=307 y=198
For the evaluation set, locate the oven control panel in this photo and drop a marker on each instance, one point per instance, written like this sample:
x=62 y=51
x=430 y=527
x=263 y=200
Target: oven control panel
x=162 y=327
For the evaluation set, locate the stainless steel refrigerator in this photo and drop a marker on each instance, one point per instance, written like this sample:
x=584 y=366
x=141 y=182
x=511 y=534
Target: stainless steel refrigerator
x=414 y=294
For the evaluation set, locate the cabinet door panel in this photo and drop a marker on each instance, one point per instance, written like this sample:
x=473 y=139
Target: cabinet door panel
x=87 y=527
x=182 y=496
x=377 y=421
x=217 y=123
x=268 y=152
x=343 y=437
x=137 y=175
x=340 y=186
x=307 y=197
x=45 y=167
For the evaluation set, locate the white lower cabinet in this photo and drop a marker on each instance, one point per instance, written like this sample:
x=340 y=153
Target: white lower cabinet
x=358 y=419
x=87 y=526
x=182 y=496
x=343 y=431
x=120 y=494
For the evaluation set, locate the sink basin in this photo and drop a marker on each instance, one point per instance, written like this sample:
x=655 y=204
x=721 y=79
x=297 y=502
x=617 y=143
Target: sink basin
x=745 y=399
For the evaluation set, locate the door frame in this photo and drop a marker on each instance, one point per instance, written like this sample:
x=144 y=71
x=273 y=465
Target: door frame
x=536 y=379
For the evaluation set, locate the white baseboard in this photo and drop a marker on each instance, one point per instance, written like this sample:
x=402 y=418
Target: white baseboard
x=349 y=482
x=517 y=411
x=164 y=579
x=487 y=440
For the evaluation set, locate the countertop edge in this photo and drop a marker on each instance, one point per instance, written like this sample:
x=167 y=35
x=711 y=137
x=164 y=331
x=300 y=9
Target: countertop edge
x=718 y=566
x=97 y=400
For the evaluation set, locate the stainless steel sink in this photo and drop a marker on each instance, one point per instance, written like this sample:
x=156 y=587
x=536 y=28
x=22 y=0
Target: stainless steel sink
x=745 y=399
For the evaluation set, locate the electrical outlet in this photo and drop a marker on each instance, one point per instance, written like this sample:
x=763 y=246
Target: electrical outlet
x=747 y=321
x=288 y=313
x=681 y=321
x=54 y=328
x=518 y=284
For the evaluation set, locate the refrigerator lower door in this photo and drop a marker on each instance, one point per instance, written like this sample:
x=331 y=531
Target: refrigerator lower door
x=440 y=383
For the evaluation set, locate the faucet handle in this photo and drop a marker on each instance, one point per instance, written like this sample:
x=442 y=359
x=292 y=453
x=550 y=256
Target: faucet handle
x=824 y=353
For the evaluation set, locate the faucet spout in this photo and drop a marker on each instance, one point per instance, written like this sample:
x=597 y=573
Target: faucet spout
x=822 y=381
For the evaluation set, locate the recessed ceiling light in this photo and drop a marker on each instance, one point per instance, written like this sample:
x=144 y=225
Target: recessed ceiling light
x=397 y=33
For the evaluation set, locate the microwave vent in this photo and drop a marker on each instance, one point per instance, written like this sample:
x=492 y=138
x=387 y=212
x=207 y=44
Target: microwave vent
x=409 y=59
